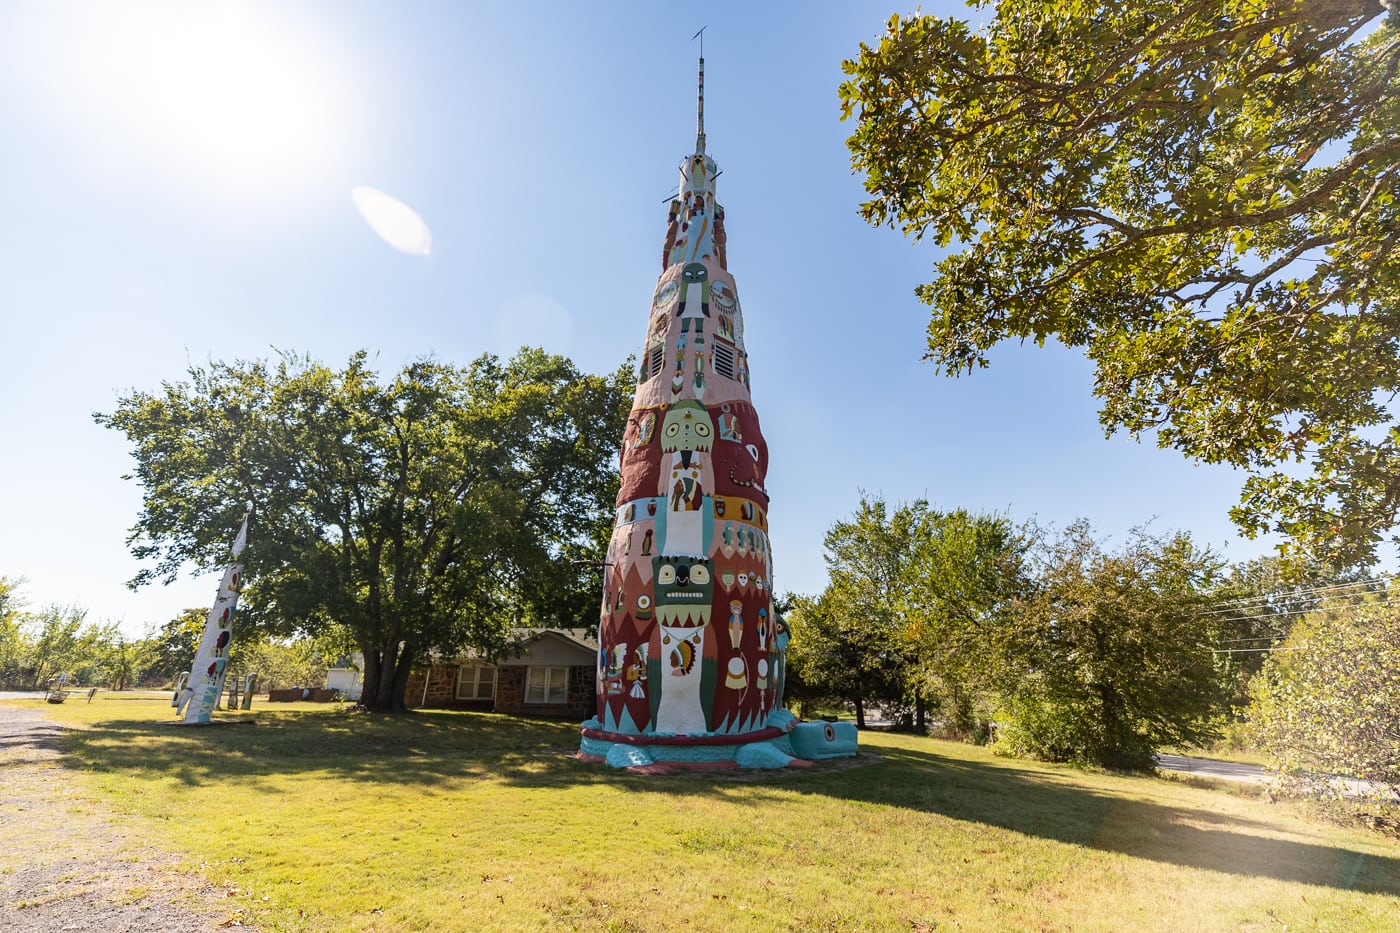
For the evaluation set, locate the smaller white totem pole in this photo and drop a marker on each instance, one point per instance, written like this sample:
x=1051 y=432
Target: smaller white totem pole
x=205 y=683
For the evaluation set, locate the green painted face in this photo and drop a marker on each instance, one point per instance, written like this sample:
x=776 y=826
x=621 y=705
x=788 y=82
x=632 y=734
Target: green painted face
x=687 y=426
x=684 y=590
x=694 y=273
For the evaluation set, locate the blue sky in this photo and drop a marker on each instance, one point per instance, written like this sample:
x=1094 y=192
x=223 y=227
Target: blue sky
x=176 y=187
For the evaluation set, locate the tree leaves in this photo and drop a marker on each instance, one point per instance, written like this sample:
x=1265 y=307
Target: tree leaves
x=425 y=515
x=1109 y=657
x=1328 y=702
x=1200 y=195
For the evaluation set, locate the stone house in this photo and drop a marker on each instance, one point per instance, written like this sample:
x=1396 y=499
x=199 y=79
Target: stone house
x=550 y=672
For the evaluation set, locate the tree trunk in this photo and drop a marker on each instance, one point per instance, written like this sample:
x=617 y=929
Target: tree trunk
x=859 y=702
x=373 y=670
x=919 y=724
x=400 y=682
x=386 y=674
x=960 y=713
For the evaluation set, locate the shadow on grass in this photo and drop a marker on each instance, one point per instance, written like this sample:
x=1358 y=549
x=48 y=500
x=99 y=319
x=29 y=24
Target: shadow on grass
x=419 y=748
x=433 y=748
x=25 y=733
x=1051 y=806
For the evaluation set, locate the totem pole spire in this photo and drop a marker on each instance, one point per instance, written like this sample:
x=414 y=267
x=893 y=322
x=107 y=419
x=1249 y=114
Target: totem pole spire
x=700 y=95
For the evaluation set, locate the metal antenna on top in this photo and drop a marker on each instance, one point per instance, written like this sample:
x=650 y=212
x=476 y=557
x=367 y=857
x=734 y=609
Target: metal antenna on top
x=700 y=98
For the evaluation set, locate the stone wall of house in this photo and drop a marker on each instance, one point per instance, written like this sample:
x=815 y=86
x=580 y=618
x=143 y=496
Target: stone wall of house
x=510 y=689
x=442 y=686
x=583 y=686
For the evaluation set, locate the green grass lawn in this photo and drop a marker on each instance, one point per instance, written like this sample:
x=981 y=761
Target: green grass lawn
x=320 y=819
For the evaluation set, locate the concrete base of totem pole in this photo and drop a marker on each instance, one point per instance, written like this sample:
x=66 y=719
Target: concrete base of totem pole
x=784 y=742
x=241 y=721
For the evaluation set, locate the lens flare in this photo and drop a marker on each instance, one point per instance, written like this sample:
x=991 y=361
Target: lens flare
x=396 y=223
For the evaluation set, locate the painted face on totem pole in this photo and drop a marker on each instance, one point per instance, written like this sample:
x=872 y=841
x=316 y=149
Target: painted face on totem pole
x=687 y=427
x=684 y=590
x=694 y=273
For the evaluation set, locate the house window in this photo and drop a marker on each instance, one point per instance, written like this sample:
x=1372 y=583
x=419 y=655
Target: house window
x=476 y=682
x=547 y=685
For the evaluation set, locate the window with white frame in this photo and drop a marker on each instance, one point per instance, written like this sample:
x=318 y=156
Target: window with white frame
x=546 y=685
x=476 y=682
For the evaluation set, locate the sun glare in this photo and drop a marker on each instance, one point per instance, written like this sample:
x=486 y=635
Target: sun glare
x=238 y=94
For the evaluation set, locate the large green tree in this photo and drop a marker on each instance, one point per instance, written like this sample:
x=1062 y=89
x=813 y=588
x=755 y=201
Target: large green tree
x=1328 y=702
x=1204 y=196
x=967 y=570
x=424 y=514
x=912 y=610
x=1109 y=658
x=868 y=562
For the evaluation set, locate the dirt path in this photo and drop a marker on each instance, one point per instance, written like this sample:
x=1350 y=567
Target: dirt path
x=65 y=867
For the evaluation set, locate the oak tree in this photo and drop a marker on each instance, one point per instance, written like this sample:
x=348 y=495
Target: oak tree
x=1203 y=196
x=424 y=514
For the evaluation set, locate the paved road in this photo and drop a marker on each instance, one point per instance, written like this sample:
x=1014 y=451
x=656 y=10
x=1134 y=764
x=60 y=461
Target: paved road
x=1253 y=774
x=1209 y=767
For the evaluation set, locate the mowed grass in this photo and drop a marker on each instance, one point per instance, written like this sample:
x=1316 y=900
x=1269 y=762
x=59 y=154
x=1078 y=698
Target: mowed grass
x=320 y=819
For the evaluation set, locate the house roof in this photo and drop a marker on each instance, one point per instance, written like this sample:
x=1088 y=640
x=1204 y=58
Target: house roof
x=550 y=646
x=577 y=636
x=526 y=642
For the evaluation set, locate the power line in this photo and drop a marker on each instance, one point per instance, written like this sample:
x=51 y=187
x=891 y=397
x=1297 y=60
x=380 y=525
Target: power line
x=1257 y=602
x=1304 y=591
x=1288 y=613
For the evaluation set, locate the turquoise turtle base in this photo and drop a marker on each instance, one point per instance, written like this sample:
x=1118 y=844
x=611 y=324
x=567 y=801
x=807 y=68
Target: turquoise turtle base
x=786 y=743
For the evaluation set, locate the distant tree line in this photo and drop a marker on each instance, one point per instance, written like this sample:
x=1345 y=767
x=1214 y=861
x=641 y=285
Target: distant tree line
x=1060 y=647
x=39 y=646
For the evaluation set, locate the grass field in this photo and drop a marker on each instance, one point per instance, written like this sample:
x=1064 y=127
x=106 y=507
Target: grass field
x=322 y=819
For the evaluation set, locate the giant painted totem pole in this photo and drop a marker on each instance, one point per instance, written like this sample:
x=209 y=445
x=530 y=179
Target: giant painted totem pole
x=691 y=657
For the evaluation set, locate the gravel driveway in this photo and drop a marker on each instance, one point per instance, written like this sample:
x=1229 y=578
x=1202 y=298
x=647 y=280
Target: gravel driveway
x=65 y=867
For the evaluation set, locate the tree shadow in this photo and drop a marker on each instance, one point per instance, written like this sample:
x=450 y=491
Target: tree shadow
x=432 y=748
x=412 y=749
x=1054 y=806
x=26 y=735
